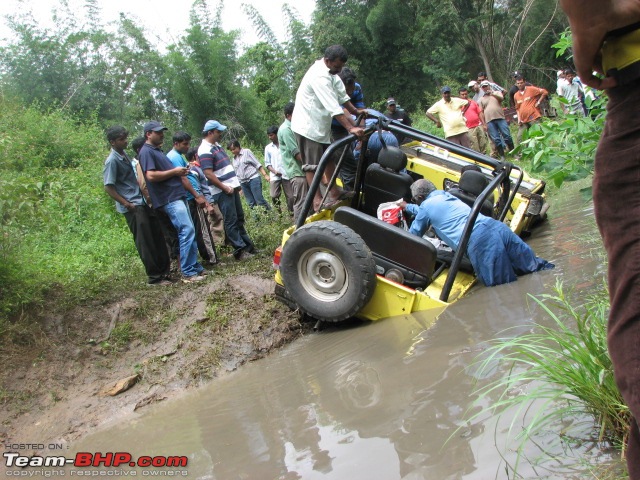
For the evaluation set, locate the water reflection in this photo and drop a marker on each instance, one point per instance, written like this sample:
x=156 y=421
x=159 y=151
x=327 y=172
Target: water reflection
x=386 y=400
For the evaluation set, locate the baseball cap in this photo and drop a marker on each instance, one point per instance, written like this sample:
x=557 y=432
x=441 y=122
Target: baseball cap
x=153 y=126
x=213 y=125
x=485 y=83
x=391 y=101
x=472 y=83
x=446 y=89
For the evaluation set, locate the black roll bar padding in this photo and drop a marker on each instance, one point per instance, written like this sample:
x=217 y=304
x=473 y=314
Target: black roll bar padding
x=322 y=165
x=507 y=206
x=466 y=233
x=395 y=126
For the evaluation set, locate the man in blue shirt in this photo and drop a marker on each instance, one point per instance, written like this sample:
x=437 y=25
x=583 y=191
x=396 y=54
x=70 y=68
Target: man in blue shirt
x=166 y=188
x=195 y=195
x=497 y=254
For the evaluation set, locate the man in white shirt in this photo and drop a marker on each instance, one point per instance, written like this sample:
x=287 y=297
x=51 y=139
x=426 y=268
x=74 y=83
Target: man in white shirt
x=318 y=100
x=278 y=179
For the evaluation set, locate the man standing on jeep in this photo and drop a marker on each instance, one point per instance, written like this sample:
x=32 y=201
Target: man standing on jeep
x=318 y=100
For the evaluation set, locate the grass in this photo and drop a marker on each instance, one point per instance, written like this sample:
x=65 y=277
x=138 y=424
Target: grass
x=61 y=241
x=558 y=373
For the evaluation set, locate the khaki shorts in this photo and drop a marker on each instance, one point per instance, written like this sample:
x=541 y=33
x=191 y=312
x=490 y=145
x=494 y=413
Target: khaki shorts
x=310 y=151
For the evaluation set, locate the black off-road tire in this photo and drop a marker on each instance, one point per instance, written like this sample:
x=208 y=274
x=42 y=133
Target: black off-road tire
x=328 y=271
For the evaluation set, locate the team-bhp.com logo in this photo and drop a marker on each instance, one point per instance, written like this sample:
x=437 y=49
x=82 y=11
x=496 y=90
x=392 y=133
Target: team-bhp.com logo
x=86 y=459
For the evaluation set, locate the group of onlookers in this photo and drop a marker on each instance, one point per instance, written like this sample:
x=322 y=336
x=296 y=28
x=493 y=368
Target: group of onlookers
x=185 y=202
x=478 y=115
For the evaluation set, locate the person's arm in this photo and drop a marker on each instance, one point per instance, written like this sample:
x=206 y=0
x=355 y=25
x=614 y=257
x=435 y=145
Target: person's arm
x=288 y=140
x=434 y=120
x=264 y=173
x=142 y=182
x=421 y=220
x=482 y=120
x=206 y=164
x=156 y=176
x=353 y=110
x=267 y=160
x=517 y=107
x=199 y=198
x=349 y=126
x=542 y=94
x=590 y=20
x=213 y=180
x=113 y=193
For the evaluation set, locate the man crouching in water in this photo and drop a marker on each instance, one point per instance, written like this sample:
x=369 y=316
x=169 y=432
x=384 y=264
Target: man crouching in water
x=497 y=254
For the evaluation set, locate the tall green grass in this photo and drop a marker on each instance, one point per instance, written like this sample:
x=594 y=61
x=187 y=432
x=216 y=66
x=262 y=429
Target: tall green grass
x=563 y=371
x=61 y=238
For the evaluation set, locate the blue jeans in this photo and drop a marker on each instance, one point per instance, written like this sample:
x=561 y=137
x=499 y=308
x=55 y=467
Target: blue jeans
x=499 y=256
x=500 y=134
x=253 y=193
x=180 y=217
x=233 y=216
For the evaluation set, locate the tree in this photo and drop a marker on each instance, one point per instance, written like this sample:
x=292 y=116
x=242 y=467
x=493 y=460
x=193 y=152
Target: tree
x=204 y=81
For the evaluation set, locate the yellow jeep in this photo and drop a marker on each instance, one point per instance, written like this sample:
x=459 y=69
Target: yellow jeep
x=343 y=261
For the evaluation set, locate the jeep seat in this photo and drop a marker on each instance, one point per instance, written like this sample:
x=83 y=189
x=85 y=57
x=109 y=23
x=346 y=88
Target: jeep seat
x=471 y=185
x=383 y=181
x=392 y=247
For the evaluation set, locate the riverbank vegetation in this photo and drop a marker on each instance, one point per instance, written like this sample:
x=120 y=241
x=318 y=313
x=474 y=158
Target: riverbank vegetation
x=558 y=374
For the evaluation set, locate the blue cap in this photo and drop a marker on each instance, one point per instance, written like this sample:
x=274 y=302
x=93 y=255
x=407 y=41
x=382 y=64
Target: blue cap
x=213 y=125
x=153 y=126
x=446 y=89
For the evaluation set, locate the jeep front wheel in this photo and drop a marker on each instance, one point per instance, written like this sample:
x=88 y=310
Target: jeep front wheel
x=328 y=270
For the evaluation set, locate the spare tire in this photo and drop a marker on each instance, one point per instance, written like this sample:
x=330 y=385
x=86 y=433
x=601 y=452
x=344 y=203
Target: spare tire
x=328 y=270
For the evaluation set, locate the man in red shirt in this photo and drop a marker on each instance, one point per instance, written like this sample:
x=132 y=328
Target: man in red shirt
x=527 y=99
x=477 y=135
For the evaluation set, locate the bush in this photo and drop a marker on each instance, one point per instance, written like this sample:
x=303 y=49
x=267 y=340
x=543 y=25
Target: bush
x=59 y=232
x=564 y=369
x=563 y=149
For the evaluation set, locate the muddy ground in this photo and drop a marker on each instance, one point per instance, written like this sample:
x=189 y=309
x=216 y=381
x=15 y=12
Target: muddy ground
x=159 y=342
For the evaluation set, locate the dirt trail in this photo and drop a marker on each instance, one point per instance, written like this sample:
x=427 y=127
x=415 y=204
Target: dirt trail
x=173 y=339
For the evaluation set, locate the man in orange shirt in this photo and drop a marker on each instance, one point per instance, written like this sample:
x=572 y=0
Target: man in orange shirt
x=527 y=99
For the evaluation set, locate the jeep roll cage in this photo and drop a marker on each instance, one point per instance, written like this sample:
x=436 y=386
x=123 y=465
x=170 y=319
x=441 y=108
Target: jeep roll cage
x=500 y=170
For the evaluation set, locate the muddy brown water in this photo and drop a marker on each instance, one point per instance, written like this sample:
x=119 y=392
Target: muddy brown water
x=384 y=400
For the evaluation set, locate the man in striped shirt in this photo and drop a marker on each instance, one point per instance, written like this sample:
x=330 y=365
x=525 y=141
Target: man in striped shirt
x=225 y=188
